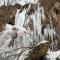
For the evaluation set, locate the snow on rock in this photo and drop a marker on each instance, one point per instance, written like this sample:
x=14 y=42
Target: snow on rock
x=52 y=55
x=8 y=27
x=20 y=28
x=23 y=39
x=24 y=55
x=22 y=35
x=44 y=41
x=9 y=33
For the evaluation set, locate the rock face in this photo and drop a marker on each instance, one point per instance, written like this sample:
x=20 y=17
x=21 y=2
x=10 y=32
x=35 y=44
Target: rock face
x=56 y=15
x=52 y=10
x=7 y=15
x=38 y=52
x=47 y=4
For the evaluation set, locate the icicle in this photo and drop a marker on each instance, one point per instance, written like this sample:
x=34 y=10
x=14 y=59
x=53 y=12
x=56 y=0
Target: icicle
x=20 y=18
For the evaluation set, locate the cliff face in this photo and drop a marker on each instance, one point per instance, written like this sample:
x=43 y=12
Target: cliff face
x=7 y=15
x=52 y=13
x=56 y=15
x=52 y=9
x=47 y=4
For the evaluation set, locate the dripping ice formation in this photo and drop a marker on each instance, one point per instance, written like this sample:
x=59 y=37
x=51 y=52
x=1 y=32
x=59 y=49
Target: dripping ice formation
x=20 y=18
x=25 y=36
x=35 y=17
x=23 y=19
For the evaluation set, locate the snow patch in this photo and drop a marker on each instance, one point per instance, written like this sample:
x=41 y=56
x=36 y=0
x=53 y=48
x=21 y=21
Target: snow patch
x=52 y=55
x=24 y=55
x=42 y=42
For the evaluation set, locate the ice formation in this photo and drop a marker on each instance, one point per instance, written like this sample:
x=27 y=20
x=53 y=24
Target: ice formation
x=20 y=35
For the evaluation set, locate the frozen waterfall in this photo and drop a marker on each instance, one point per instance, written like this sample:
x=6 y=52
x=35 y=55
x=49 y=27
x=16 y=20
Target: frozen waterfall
x=27 y=31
